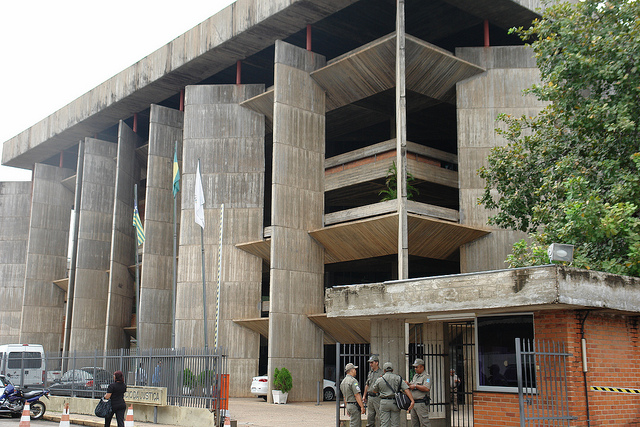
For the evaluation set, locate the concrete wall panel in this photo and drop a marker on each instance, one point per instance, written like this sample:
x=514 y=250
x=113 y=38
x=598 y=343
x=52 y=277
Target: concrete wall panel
x=297 y=260
x=480 y=100
x=94 y=246
x=121 y=297
x=15 y=204
x=229 y=141
x=155 y=322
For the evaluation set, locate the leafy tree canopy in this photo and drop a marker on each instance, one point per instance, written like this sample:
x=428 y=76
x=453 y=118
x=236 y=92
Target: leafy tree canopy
x=571 y=173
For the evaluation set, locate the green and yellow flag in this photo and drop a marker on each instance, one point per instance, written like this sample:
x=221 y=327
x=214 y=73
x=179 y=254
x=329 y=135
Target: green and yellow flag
x=138 y=225
x=176 y=173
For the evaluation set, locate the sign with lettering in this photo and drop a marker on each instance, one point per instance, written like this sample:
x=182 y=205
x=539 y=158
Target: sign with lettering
x=156 y=396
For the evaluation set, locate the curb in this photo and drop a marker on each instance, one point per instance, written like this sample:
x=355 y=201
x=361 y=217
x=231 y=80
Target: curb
x=77 y=421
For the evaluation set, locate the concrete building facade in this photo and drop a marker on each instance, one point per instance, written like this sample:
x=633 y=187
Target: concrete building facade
x=291 y=108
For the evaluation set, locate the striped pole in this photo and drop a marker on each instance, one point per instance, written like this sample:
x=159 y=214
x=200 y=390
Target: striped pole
x=219 y=280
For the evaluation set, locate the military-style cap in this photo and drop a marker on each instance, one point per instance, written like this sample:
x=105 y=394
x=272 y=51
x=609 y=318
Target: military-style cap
x=388 y=366
x=349 y=367
x=373 y=358
x=418 y=362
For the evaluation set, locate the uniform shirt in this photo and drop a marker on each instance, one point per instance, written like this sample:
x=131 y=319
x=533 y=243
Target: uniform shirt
x=421 y=379
x=349 y=388
x=395 y=381
x=372 y=377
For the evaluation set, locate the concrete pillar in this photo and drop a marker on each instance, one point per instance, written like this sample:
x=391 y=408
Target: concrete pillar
x=388 y=341
x=297 y=260
x=229 y=141
x=156 y=282
x=94 y=246
x=47 y=248
x=479 y=101
x=121 y=297
x=15 y=203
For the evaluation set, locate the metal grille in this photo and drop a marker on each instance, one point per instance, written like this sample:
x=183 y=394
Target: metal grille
x=462 y=357
x=542 y=383
x=358 y=354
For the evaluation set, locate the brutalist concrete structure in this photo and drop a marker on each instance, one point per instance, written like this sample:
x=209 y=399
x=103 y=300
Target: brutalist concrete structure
x=298 y=111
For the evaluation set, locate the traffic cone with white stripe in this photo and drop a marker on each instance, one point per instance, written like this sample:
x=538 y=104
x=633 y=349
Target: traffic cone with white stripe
x=25 y=420
x=64 y=420
x=227 y=421
x=128 y=422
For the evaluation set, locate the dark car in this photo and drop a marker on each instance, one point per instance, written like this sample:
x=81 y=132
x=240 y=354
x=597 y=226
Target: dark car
x=83 y=382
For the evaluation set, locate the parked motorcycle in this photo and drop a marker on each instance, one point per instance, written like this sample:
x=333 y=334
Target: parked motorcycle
x=13 y=400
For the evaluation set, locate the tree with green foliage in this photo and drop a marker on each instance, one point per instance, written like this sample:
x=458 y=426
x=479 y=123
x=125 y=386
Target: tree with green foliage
x=571 y=173
x=282 y=380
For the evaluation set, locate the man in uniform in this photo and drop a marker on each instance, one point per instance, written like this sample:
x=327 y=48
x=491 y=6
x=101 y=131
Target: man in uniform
x=371 y=398
x=420 y=386
x=387 y=385
x=351 y=393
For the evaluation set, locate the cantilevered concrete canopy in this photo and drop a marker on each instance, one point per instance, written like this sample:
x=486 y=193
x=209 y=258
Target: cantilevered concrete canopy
x=370 y=69
x=335 y=330
x=521 y=289
x=374 y=236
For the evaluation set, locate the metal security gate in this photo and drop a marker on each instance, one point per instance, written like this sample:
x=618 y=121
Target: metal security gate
x=542 y=383
x=358 y=354
x=462 y=357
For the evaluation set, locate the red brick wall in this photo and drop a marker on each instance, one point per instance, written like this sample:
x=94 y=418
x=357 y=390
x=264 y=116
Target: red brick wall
x=613 y=361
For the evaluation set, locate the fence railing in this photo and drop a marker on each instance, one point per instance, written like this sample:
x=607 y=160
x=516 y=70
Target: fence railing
x=192 y=377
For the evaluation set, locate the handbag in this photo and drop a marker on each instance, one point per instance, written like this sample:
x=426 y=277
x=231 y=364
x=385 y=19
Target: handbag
x=103 y=408
x=402 y=400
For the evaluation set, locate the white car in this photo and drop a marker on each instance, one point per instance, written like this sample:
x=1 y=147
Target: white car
x=260 y=388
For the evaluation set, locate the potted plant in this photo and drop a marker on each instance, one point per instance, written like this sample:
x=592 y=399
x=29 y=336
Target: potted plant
x=282 y=383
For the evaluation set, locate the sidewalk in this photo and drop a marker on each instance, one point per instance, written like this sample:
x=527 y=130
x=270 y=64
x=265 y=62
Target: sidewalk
x=247 y=412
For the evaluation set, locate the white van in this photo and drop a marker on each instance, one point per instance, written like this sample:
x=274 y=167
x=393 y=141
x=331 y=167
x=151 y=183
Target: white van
x=23 y=364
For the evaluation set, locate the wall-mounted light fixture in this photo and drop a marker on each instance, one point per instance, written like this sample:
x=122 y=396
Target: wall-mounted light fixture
x=560 y=252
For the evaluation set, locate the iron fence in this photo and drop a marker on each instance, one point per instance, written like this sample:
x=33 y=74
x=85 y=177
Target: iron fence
x=192 y=377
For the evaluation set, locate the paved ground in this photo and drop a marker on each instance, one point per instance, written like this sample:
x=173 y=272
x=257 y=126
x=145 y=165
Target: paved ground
x=246 y=411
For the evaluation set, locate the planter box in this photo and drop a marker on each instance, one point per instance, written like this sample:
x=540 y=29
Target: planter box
x=279 y=397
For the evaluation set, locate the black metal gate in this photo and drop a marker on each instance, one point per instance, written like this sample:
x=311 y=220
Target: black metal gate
x=462 y=360
x=542 y=383
x=358 y=354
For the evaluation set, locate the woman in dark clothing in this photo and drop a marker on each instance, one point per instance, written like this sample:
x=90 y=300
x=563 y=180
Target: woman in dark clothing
x=115 y=392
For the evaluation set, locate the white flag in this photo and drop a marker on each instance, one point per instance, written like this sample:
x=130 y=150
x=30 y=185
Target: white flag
x=199 y=198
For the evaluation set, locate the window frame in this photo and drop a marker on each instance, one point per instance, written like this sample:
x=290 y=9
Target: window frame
x=492 y=388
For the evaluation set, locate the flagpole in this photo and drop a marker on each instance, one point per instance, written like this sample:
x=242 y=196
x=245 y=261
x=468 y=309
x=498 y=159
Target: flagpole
x=175 y=249
x=204 y=286
x=137 y=290
x=219 y=284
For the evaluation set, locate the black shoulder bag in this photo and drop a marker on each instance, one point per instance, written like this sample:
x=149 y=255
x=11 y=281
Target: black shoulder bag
x=402 y=400
x=103 y=409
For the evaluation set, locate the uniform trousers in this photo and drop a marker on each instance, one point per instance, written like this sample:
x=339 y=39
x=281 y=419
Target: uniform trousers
x=389 y=413
x=353 y=409
x=373 y=411
x=420 y=415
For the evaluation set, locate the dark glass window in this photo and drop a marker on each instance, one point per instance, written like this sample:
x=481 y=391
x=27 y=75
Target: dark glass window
x=497 y=349
x=31 y=360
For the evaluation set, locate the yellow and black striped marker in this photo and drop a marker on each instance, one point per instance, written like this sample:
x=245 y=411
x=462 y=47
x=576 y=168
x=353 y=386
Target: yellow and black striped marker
x=616 y=389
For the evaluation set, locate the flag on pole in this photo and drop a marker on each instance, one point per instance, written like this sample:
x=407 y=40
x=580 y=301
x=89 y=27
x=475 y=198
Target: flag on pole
x=199 y=198
x=138 y=224
x=176 y=172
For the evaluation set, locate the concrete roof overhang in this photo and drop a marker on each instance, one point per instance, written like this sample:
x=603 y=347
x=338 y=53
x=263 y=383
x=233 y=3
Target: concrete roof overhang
x=511 y=290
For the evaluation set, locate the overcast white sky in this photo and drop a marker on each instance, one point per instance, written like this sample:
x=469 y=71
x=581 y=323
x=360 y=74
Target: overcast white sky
x=51 y=52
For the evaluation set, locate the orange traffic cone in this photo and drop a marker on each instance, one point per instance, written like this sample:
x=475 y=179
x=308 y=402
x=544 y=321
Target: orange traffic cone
x=227 y=421
x=64 y=420
x=128 y=422
x=25 y=420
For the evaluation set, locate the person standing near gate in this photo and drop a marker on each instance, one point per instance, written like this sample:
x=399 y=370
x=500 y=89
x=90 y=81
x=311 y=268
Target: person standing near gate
x=371 y=398
x=454 y=383
x=387 y=385
x=351 y=393
x=420 y=386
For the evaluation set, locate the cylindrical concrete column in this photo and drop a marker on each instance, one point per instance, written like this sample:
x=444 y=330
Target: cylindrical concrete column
x=229 y=141
x=297 y=260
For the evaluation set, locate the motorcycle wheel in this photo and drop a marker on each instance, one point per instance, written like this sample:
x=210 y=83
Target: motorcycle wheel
x=37 y=410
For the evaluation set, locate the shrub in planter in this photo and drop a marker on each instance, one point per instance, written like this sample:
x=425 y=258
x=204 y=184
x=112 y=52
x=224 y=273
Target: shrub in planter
x=282 y=380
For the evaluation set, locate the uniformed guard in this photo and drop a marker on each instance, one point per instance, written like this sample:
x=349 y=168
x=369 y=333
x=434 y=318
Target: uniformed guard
x=371 y=398
x=351 y=393
x=387 y=385
x=420 y=386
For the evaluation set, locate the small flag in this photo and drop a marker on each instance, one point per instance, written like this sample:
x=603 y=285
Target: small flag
x=138 y=225
x=176 y=173
x=199 y=198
